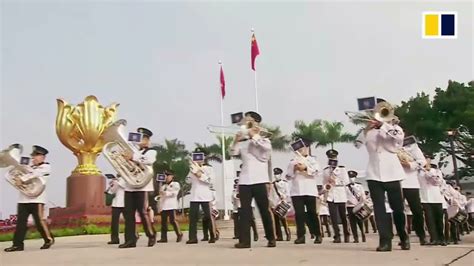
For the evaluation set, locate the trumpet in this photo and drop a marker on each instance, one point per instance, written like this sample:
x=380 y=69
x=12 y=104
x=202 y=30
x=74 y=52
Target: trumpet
x=304 y=161
x=194 y=167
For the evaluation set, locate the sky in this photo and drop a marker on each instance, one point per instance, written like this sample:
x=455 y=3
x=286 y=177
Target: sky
x=159 y=60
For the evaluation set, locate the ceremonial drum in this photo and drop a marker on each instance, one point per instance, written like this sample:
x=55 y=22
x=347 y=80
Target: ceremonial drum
x=456 y=215
x=282 y=209
x=362 y=212
x=215 y=213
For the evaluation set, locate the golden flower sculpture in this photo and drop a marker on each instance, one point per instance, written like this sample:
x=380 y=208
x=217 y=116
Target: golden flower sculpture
x=80 y=127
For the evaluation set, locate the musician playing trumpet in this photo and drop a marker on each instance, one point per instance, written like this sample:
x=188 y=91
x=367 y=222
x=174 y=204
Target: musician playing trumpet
x=302 y=172
x=335 y=180
x=168 y=206
x=201 y=177
x=432 y=201
x=33 y=205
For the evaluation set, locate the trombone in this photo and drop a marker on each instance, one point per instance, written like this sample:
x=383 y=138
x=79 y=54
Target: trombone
x=236 y=129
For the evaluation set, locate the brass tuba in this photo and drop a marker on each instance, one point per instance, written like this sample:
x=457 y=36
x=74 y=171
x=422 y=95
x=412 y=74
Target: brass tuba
x=136 y=175
x=9 y=158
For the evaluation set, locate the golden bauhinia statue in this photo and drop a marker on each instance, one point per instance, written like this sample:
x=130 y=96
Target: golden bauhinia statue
x=80 y=127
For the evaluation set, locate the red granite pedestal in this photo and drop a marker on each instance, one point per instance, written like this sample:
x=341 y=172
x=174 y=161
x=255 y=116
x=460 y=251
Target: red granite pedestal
x=85 y=201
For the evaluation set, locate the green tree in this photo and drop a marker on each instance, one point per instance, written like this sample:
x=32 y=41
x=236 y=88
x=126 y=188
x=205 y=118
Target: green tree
x=280 y=141
x=331 y=132
x=429 y=119
x=173 y=156
x=311 y=131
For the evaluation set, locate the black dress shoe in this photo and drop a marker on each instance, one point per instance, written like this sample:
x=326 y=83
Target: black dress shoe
x=179 y=238
x=346 y=239
x=47 y=245
x=162 y=241
x=193 y=241
x=151 y=241
x=356 y=240
x=13 y=249
x=113 y=242
x=205 y=239
x=337 y=239
x=271 y=244
x=423 y=241
x=300 y=240
x=128 y=244
x=212 y=240
x=385 y=247
x=405 y=244
x=242 y=245
x=318 y=240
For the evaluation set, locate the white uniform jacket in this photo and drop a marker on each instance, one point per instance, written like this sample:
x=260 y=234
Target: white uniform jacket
x=201 y=186
x=303 y=183
x=412 y=173
x=255 y=154
x=382 y=145
x=338 y=193
x=147 y=157
x=169 y=196
x=42 y=171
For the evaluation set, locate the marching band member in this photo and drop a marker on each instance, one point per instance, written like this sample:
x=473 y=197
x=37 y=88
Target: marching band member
x=168 y=206
x=432 y=201
x=355 y=196
x=255 y=152
x=371 y=217
x=323 y=212
x=34 y=205
x=136 y=199
x=117 y=189
x=336 y=179
x=201 y=195
x=384 y=173
x=214 y=215
x=304 y=192
x=280 y=193
x=237 y=211
x=411 y=185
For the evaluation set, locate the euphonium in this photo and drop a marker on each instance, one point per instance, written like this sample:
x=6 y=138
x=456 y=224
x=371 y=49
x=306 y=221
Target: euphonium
x=9 y=158
x=383 y=112
x=136 y=175
x=404 y=156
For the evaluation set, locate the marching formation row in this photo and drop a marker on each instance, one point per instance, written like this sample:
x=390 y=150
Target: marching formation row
x=400 y=178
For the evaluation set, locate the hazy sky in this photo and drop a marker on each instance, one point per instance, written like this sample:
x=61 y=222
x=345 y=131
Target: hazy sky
x=159 y=61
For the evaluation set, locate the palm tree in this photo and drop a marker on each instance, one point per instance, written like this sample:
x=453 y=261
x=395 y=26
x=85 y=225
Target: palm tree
x=310 y=132
x=331 y=132
x=214 y=151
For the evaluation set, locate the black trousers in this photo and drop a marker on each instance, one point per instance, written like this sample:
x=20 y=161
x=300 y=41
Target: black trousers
x=354 y=223
x=279 y=222
x=24 y=211
x=171 y=216
x=311 y=219
x=206 y=227
x=447 y=225
x=325 y=222
x=260 y=193
x=194 y=217
x=434 y=220
x=412 y=195
x=236 y=218
x=137 y=201
x=395 y=199
x=336 y=209
x=114 y=224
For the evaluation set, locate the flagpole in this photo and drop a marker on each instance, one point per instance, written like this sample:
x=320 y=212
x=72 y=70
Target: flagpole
x=226 y=211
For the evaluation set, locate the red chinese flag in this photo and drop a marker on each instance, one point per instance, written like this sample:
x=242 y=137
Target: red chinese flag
x=254 y=50
x=222 y=83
